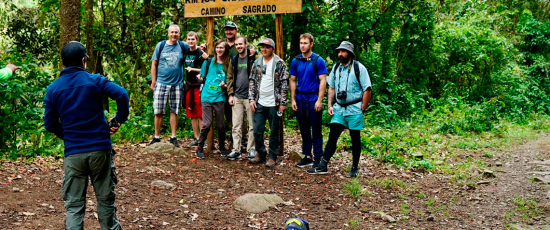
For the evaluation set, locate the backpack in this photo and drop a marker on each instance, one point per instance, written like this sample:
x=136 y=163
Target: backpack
x=184 y=46
x=313 y=60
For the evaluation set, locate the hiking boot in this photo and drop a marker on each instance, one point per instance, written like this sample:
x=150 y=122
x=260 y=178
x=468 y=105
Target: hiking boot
x=174 y=141
x=195 y=142
x=257 y=160
x=234 y=155
x=316 y=162
x=270 y=163
x=306 y=161
x=155 y=140
x=354 y=172
x=252 y=154
x=200 y=153
x=223 y=152
x=320 y=169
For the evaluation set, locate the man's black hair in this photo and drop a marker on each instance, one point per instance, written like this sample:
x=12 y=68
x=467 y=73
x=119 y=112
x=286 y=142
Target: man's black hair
x=72 y=54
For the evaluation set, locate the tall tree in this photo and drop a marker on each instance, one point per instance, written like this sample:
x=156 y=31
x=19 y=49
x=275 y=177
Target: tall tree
x=69 y=12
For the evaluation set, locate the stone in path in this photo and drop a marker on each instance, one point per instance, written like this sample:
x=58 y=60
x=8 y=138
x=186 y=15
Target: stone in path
x=160 y=183
x=162 y=148
x=257 y=203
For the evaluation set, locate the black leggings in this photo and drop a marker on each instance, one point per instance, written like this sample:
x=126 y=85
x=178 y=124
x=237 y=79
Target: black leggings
x=335 y=132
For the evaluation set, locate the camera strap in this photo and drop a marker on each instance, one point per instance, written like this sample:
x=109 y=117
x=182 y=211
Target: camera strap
x=355 y=65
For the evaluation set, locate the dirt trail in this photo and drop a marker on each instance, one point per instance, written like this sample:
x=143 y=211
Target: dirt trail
x=205 y=190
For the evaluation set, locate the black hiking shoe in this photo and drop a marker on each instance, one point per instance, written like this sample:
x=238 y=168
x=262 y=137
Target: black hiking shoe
x=320 y=169
x=223 y=152
x=195 y=142
x=306 y=161
x=316 y=162
x=155 y=140
x=234 y=155
x=354 y=172
x=174 y=141
x=200 y=153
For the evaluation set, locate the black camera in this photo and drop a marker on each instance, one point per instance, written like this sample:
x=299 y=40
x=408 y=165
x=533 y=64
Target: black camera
x=113 y=123
x=342 y=95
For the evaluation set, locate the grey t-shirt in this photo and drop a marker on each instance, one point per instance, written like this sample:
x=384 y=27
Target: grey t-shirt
x=241 y=83
x=170 y=69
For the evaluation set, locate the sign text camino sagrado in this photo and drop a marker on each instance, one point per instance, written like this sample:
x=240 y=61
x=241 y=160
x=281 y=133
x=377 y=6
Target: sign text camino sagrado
x=213 y=8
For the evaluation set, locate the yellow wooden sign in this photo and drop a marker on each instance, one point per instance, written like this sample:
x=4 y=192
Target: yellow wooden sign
x=214 y=8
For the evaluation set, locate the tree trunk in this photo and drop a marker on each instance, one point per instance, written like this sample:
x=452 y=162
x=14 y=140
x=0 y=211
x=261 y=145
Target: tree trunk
x=69 y=12
x=91 y=64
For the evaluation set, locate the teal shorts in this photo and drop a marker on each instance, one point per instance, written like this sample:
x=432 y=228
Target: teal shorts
x=352 y=122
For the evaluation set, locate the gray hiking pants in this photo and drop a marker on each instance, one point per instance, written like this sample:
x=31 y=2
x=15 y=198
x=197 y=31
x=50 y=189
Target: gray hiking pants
x=100 y=168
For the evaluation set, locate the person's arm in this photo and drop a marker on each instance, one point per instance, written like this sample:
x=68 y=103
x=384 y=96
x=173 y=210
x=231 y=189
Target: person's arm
x=252 y=88
x=230 y=78
x=51 y=117
x=322 y=88
x=284 y=87
x=118 y=94
x=293 y=85
x=5 y=73
x=331 y=91
x=330 y=100
x=366 y=99
x=203 y=69
x=322 y=71
x=293 y=92
x=154 y=66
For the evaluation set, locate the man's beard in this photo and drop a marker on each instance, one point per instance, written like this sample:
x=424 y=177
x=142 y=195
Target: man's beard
x=244 y=52
x=344 y=60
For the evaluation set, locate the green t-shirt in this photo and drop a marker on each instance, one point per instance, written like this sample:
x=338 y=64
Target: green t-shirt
x=5 y=73
x=211 y=91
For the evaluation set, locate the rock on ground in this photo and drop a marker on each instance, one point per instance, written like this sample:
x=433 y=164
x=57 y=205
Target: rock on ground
x=160 y=183
x=162 y=148
x=257 y=203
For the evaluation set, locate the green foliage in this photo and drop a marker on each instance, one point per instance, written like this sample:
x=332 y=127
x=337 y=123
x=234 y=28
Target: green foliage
x=527 y=208
x=354 y=187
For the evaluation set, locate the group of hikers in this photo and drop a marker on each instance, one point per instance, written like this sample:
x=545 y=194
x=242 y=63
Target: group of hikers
x=234 y=83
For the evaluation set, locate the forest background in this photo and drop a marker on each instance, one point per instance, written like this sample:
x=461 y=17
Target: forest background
x=447 y=74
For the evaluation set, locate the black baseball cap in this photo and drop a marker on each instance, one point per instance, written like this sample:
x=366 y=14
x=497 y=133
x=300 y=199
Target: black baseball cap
x=72 y=54
x=231 y=25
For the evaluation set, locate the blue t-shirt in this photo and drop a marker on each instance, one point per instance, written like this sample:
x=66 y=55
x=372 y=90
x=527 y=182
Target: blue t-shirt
x=211 y=91
x=344 y=79
x=307 y=81
x=170 y=69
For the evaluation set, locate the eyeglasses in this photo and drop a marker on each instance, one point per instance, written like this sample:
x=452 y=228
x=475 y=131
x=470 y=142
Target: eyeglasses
x=86 y=58
x=264 y=69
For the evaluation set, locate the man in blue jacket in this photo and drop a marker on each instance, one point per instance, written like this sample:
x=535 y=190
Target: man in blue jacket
x=74 y=113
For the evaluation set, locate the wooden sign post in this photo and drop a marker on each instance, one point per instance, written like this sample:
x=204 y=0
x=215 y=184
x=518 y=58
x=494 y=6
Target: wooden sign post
x=215 y=8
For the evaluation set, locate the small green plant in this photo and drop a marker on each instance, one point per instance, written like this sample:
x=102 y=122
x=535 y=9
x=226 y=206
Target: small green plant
x=527 y=208
x=429 y=203
x=488 y=155
x=354 y=187
x=389 y=183
x=405 y=209
x=420 y=195
x=354 y=223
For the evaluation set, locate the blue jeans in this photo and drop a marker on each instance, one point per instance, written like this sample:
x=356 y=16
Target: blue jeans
x=262 y=114
x=310 y=122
